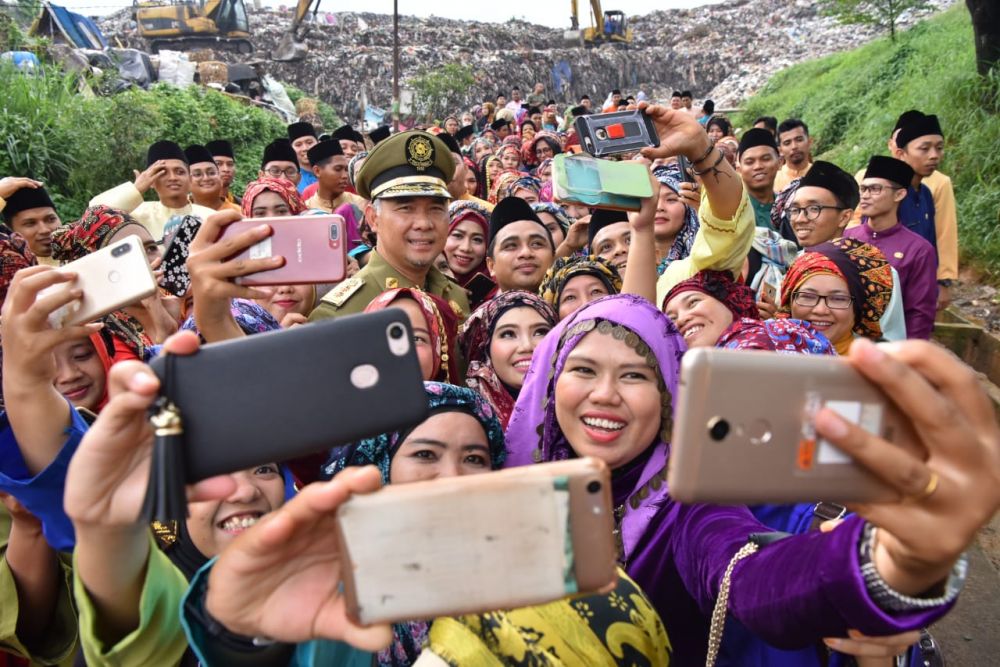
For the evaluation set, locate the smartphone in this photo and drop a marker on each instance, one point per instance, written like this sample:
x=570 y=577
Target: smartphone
x=615 y=133
x=280 y=395
x=477 y=543
x=582 y=179
x=480 y=287
x=769 y=292
x=733 y=443
x=175 y=274
x=685 y=166
x=115 y=276
x=314 y=248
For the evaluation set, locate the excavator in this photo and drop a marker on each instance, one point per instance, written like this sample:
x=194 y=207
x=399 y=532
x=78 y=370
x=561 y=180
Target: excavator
x=606 y=26
x=215 y=24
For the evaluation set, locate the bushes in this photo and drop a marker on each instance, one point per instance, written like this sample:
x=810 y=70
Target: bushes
x=851 y=102
x=80 y=145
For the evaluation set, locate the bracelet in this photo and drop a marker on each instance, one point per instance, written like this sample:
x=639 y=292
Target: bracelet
x=890 y=600
x=713 y=168
x=704 y=157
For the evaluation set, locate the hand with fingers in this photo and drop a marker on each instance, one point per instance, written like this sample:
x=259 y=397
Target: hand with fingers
x=38 y=413
x=11 y=184
x=105 y=488
x=946 y=467
x=576 y=238
x=212 y=273
x=281 y=578
x=690 y=193
x=146 y=179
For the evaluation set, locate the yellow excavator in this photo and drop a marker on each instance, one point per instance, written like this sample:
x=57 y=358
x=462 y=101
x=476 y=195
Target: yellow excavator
x=606 y=26
x=183 y=25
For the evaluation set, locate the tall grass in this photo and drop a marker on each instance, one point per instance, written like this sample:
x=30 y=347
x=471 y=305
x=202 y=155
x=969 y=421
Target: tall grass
x=81 y=145
x=851 y=101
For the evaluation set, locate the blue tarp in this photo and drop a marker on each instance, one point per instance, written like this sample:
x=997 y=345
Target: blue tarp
x=76 y=29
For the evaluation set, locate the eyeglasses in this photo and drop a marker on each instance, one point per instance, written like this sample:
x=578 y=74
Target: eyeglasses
x=832 y=301
x=199 y=175
x=278 y=173
x=875 y=189
x=812 y=211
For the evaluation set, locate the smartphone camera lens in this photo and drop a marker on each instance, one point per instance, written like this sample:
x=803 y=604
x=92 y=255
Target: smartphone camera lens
x=718 y=429
x=594 y=487
x=601 y=134
x=396 y=332
x=334 y=232
x=121 y=250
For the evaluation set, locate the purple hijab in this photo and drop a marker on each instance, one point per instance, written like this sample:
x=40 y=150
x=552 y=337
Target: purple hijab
x=534 y=414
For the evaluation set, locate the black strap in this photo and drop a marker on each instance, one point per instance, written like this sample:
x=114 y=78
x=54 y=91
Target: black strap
x=824 y=511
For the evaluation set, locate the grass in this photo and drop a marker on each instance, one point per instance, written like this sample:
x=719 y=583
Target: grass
x=851 y=101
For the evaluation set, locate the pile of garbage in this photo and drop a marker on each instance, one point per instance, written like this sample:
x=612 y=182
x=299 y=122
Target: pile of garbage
x=724 y=52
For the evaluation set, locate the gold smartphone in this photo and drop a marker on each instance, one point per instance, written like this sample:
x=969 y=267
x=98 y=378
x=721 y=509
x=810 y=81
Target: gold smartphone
x=478 y=543
x=744 y=429
x=111 y=278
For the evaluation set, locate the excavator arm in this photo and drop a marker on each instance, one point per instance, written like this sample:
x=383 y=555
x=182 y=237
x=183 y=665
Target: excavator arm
x=292 y=45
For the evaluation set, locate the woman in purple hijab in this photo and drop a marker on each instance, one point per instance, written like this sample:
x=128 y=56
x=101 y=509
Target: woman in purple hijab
x=603 y=381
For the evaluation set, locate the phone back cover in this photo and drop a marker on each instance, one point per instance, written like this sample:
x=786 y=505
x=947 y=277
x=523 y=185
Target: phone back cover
x=592 y=182
x=280 y=395
x=313 y=252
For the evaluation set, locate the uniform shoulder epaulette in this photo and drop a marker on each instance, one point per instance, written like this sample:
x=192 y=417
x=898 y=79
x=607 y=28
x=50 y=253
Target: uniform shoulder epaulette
x=339 y=295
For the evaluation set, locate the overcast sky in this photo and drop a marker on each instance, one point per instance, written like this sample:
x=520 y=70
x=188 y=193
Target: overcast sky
x=554 y=13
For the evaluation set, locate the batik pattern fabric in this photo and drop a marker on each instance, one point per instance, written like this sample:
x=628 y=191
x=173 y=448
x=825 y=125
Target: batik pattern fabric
x=670 y=176
x=90 y=233
x=776 y=253
x=442 y=324
x=280 y=186
x=352 y=167
x=719 y=285
x=251 y=317
x=862 y=266
x=510 y=181
x=556 y=211
x=409 y=637
x=566 y=268
x=14 y=256
x=620 y=628
x=475 y=338
x=784 y=336
x=461 y=210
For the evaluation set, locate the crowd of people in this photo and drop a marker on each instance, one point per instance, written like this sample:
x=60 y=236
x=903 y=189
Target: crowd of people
x=545 y=330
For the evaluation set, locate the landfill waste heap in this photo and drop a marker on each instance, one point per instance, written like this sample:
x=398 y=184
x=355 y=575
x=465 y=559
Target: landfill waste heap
x=724 y=52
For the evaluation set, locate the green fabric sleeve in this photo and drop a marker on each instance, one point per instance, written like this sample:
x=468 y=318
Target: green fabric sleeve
x=159 y=639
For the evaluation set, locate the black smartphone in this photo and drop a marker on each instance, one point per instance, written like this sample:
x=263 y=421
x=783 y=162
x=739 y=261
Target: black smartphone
x=615 y=133
x=281 y=395
x=175 y=274
x=479 y=288
x=685 y=166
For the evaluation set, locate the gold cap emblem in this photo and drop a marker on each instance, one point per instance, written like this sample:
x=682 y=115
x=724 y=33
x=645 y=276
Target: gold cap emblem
x=419 y=152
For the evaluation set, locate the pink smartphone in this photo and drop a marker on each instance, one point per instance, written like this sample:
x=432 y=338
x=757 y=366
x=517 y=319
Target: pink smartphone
x=314 y=248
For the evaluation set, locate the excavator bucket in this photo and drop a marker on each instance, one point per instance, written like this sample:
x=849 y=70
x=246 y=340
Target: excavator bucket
x=289 y=49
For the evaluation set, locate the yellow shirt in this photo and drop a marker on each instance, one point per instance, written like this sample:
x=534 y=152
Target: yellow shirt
x=720 y=244
x=151 y=214
x=330 y=205
x=786 y=175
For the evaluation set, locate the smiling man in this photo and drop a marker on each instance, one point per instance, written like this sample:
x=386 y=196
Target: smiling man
x=521 y=249
x=758 y=163
x=795 y=146
x=302 y=136
x=167 y=173
x=406 y=180
x=28 y=210
x=609 y=236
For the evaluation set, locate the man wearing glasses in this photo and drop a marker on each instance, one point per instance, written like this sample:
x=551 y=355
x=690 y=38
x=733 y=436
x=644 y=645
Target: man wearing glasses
x=280 y=162
x=882 y=189
x=820 y=210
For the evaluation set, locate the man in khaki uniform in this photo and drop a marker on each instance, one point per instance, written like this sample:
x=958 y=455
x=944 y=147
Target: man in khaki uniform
x=406 y=180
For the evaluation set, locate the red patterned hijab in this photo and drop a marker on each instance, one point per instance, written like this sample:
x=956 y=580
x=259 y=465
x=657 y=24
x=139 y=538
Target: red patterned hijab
x=280 y=186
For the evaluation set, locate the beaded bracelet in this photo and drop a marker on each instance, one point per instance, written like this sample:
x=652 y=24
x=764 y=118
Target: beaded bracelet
x=714 y=169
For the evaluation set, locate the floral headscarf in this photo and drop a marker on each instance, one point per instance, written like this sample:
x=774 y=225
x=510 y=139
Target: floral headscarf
x=476 y=143
x=534 y=435
x=862 y=266
x=670 y=176
x=556 y=211
x=475 y=338
x=509 y=147
x=547 y=162
x=352 y=166
x=280 y=186
x=784 y=336
x=529 y=154
x=468 y=209
x=719 y=285
x=409 y=637
x=90 y=233
x=442 y=323
x=14 y=256
x=566 y=268
x=510 y=181
x=251 y=317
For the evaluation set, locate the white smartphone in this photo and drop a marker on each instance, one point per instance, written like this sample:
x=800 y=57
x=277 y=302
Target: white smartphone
x=478 y=543
x=111 y=278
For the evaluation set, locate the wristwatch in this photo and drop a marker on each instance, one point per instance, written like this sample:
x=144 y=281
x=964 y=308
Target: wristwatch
x=890 y=600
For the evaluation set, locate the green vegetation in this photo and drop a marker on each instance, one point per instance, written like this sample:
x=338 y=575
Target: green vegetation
x=442 y=89
x=883 y=14
x=851 y=101
x=331 y=121
x=81 y=145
